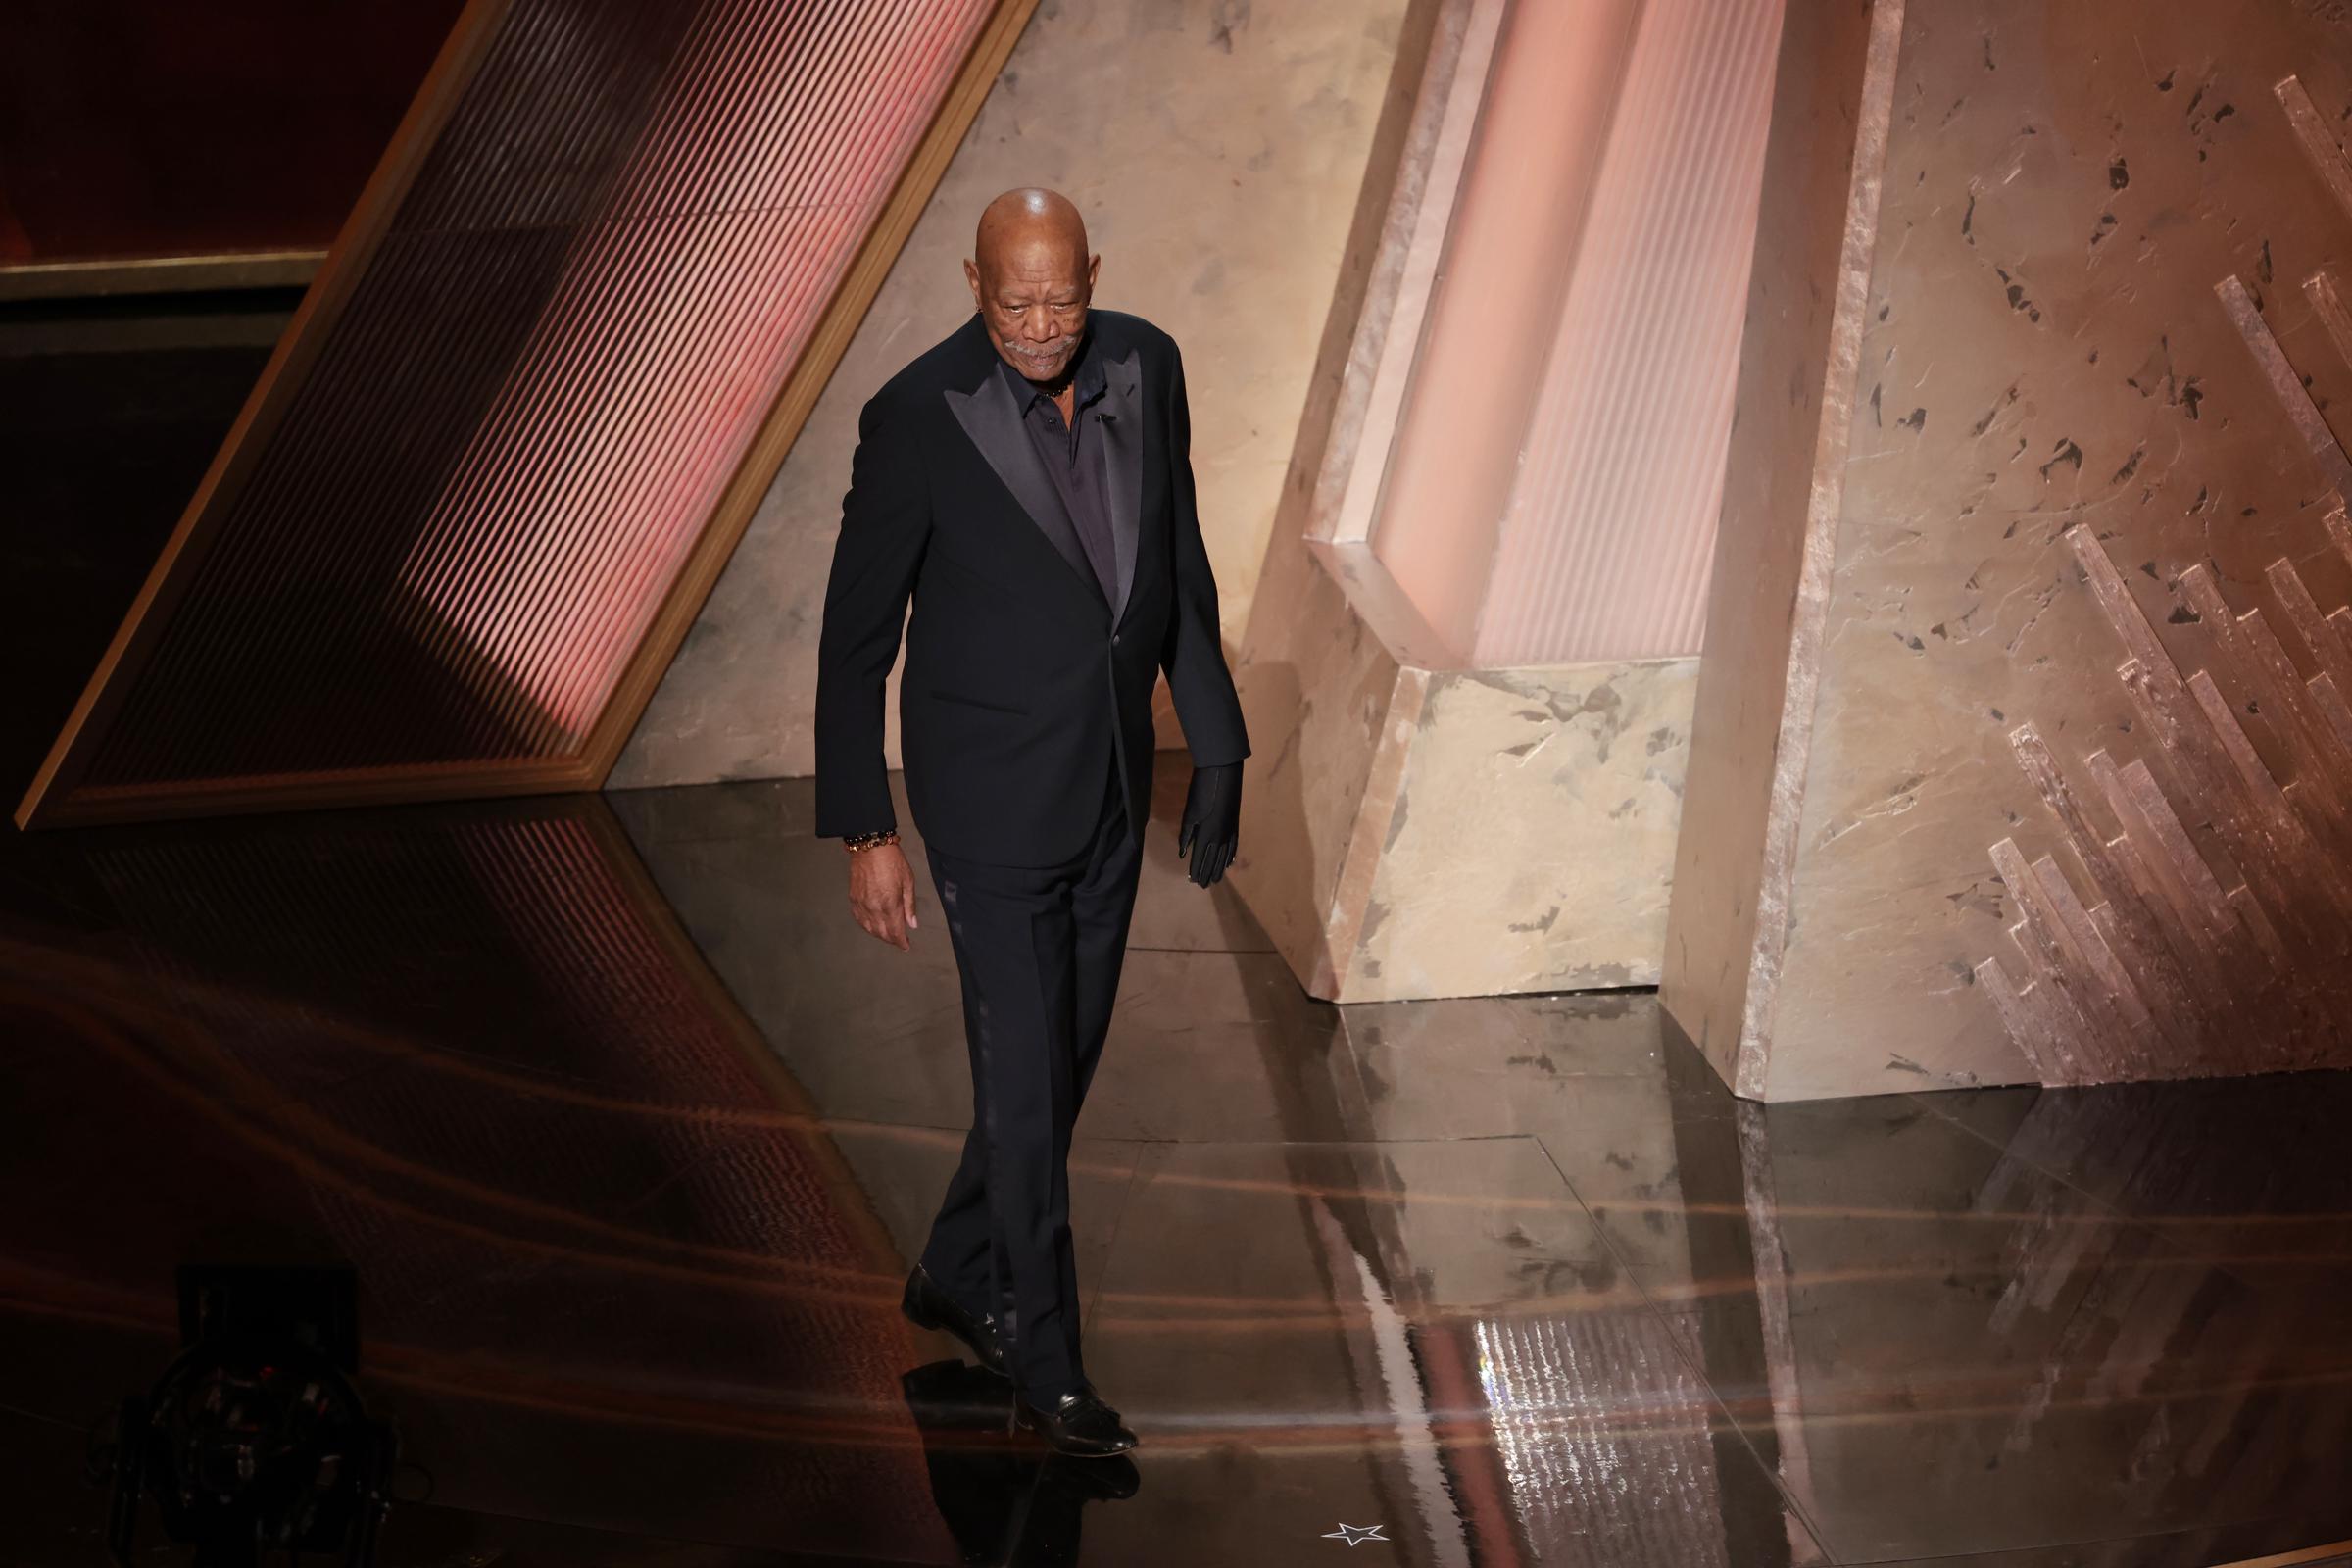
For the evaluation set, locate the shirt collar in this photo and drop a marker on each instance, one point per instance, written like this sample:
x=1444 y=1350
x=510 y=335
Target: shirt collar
x=1090 y=378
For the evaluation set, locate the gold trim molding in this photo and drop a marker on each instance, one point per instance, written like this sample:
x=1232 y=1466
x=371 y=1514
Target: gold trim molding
x=157 y=274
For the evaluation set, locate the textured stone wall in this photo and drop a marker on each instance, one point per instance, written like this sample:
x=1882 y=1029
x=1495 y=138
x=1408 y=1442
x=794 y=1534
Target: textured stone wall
x=2064 y=300
x=1533 y=817
x=1216 y=149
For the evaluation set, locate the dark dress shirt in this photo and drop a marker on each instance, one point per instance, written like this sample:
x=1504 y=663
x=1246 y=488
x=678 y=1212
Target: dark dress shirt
x=1072 y=454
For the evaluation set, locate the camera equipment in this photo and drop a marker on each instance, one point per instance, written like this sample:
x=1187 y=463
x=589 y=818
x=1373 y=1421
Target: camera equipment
x=255 y=1441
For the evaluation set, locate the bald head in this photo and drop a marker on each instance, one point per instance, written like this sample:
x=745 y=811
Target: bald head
x=1026 y=219
x=1032 y=279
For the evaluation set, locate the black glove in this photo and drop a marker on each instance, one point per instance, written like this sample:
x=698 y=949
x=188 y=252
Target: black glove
x=1212 y=820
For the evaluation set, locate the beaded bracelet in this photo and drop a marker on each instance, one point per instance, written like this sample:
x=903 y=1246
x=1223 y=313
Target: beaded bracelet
x=854 y=841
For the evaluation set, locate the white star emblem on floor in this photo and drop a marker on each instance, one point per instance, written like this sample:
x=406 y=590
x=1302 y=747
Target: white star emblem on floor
x=1352 y=1534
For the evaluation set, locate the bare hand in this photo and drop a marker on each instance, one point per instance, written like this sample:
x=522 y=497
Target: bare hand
x=882 y=894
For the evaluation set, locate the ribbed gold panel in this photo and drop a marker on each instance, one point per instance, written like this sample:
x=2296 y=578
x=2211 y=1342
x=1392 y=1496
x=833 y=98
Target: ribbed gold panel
x=525 y=414
x=1604 y=553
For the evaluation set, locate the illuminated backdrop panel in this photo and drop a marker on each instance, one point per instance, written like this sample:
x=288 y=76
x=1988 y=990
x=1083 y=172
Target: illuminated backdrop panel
x=552 y=362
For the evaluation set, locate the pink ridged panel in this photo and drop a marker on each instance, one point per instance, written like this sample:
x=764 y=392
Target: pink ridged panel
x=1605 y=544
x=523 y=419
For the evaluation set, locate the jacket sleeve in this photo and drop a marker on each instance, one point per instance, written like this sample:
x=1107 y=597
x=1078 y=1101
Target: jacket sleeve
x=885 y=523
x=1193 y=655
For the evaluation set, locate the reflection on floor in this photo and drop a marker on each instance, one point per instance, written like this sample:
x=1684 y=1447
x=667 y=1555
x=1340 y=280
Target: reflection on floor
x=630 y=1134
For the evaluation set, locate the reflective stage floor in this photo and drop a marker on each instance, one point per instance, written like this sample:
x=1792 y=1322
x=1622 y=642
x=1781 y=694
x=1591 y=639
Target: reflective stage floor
x=630 y=1134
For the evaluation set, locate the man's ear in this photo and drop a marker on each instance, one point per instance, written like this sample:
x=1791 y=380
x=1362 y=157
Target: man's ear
x=1094 y=264
x=971 y=275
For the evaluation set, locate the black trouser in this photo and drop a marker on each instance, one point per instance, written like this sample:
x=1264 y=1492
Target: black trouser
x=1039 y=952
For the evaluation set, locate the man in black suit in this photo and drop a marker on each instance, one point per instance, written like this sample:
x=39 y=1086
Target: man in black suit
x=1028 y=482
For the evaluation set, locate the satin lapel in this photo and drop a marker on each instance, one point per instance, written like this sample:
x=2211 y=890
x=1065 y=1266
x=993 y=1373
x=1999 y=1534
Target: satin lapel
x=1123 y=467
x=990 y=418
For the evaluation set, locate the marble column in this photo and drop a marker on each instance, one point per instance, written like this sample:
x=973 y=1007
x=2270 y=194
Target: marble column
x=1472 y=665
x=1478 y=623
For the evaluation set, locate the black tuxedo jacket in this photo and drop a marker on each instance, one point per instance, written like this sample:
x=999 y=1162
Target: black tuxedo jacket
x=1024 y=685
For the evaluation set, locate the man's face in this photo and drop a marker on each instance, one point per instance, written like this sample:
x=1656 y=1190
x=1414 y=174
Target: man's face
x=1033 y=298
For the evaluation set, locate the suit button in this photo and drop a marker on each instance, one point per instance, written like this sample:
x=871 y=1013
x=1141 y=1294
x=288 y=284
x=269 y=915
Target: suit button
x=1114 y=639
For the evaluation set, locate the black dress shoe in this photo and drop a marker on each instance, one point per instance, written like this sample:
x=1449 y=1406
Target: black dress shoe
x=1078 y=1424
x=928 y=1306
